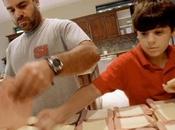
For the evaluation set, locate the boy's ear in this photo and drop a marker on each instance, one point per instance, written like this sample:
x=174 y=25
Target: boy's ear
x=174 y=33
x=37 y=2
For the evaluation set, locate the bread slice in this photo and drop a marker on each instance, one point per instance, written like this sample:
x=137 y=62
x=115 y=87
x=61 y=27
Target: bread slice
x=95 y=125
x=103 y=124
x=132 y=111
x=169 y=125
x=64 y=127
x=133 y=122
x=98 y=114
x=164 y=110
x=28 y=128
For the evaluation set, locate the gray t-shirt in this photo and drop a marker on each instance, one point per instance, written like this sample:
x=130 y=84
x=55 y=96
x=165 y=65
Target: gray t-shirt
x=53 y=36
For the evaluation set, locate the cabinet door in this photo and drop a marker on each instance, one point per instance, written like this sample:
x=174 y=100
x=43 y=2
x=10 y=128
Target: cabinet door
x=111 y=25
x=98 y=27
x=125 y=21
x=83 y=23
x=13 y=36
x=103 y=25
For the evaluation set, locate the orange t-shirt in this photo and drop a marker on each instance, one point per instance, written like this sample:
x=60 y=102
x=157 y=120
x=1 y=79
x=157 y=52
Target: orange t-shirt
x=133 y=73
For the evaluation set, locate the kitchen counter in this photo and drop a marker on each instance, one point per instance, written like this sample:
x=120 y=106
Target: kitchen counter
x=117 y=53
x=117 y=44
x=155 y=115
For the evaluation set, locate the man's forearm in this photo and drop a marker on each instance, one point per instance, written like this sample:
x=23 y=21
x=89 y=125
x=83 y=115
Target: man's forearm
x=79 y=58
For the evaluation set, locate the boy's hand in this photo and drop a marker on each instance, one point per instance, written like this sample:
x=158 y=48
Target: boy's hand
x=48 y=118
x=170 y=86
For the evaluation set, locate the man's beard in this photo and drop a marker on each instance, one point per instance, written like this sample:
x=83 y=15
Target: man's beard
x=30 y=24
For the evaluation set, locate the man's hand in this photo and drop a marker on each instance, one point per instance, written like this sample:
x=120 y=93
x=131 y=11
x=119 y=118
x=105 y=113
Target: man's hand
x=170 y=86
x=31 y=80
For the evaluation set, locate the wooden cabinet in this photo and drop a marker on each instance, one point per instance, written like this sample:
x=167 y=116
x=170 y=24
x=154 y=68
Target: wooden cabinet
x=125 y=21
x=13 y=36
x=84 y=24
x=99 y=26
x=103 y=26
x=111 y=24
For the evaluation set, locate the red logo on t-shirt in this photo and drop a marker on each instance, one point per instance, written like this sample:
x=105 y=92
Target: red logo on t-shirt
x=41 y=51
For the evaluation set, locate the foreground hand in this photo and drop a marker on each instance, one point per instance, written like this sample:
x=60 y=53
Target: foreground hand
x=31 y=80
x=170 y=86
x=12 y=114
x=48 y=118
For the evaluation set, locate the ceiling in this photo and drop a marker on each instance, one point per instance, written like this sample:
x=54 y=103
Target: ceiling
x=44 y=5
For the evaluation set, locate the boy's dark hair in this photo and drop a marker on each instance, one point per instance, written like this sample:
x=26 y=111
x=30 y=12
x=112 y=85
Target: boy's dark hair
x=149 y=14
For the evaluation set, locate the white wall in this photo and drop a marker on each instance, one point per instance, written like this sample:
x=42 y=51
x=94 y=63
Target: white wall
x=5 y=29
x=76 y=9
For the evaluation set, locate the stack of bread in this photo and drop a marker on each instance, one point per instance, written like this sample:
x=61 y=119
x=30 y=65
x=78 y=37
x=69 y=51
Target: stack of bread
x=136 y=117
x=164 y=112
x=156 y=115
x=97 y=120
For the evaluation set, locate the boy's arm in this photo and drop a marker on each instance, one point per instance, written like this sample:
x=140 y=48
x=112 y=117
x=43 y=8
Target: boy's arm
x=82 y=98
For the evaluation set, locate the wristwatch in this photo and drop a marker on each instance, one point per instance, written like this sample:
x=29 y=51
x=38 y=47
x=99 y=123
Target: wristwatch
x=55 y=64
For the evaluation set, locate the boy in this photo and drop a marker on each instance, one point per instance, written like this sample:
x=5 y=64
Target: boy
x=140 y=73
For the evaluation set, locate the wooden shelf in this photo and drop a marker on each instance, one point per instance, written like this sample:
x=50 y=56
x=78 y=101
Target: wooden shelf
x=13 y=36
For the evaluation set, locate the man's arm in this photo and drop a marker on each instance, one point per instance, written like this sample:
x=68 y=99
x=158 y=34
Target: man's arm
x=35 y=77
x=79 y=58
x=83 y=97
